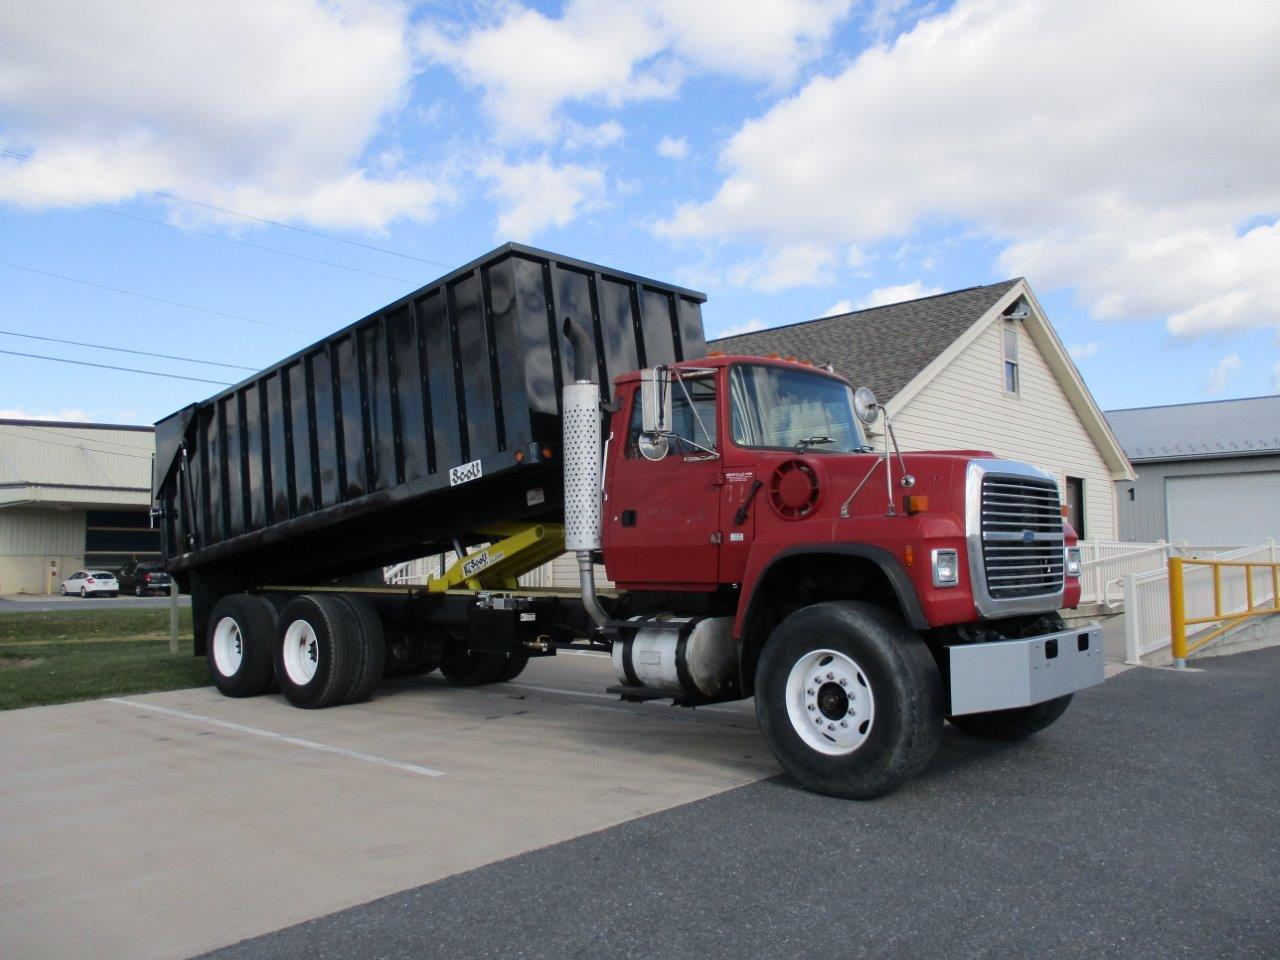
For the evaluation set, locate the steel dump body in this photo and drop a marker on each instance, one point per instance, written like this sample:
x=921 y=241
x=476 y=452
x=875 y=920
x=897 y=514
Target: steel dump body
x=433 y=417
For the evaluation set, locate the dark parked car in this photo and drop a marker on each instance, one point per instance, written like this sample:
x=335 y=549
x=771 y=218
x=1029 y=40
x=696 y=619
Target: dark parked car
x=142 y=578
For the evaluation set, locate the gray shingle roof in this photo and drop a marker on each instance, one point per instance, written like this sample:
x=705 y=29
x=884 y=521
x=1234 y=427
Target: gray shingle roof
x=1214 y=428
x=881 y=347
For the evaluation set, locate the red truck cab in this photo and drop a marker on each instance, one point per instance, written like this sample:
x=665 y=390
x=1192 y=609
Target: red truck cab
x=765 y=497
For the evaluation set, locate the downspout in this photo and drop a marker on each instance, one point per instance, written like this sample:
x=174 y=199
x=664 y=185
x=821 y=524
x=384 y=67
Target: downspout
x=581 y=418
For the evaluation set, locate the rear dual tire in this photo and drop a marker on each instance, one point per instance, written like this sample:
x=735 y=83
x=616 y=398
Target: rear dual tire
x=849 y=699
x=329 y=650
x=239 y=639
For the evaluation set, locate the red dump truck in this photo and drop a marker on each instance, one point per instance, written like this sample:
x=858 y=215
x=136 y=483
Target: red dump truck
x=528 y=405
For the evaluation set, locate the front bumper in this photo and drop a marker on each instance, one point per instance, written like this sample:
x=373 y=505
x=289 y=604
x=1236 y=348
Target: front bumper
x=1006 y=674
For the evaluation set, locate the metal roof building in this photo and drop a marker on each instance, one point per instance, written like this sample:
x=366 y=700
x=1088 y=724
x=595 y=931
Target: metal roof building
x=1208 y=473
x=71 y=495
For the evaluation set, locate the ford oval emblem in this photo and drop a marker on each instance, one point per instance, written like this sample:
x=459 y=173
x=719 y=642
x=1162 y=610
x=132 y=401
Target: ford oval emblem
x=1028 y=536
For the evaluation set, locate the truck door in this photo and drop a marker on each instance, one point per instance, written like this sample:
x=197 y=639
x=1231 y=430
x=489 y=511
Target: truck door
x=661 y=522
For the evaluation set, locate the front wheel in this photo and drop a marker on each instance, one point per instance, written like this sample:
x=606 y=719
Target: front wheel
x=1016 y=724
x=83 y=593
x=137 y=591
x=849 y=699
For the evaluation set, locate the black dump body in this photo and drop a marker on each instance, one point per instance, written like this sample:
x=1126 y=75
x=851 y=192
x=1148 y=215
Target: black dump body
x=431 y=418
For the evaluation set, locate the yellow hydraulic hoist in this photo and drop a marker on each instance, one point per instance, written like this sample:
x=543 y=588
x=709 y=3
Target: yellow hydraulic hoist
x=517 y=549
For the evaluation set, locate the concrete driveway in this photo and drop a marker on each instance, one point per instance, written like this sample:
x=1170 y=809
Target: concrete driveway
x=545 y=819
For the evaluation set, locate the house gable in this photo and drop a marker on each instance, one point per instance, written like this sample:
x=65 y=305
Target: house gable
x=960 y=402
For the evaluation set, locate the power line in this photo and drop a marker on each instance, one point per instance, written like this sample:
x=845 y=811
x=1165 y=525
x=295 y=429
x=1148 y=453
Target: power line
x=140 y=353
x=202 y=233
x=76 y=446
x=59 y=432
x=28 y=158
x=145 y=296
x=107 y=366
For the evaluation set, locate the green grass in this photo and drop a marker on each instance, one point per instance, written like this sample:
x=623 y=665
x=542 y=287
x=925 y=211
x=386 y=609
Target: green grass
x=84 y=654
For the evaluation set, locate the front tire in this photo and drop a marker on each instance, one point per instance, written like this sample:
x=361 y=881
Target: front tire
x=240 y=636
x=849 y=699
x=1016 y=724
x=84 y=595
x=317 y=651
x=137 y=591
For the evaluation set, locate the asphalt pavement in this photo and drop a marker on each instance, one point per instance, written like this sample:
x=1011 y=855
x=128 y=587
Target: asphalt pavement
x=45 y=604
x=1142 y=825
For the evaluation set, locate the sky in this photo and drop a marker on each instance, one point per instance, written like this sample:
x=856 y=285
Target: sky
x=229 y=182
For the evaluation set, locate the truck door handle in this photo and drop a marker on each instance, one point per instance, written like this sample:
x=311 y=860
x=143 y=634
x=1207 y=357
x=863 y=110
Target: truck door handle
x=628 y=518
x=740 y=517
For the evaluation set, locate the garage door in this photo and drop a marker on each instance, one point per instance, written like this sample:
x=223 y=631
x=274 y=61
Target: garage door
x=1211 y=511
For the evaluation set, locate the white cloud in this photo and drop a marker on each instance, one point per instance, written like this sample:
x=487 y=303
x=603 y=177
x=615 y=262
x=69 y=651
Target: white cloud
x=881 y=296
x=793 y=265
x=736 y=330
x=673 y=148
x=578 y=136
x=536 y=195
x=1106 y=150
x=837 y=308
x=1083 y=351
x=528 y=64
x=266 y=107
x=1220 y=375
x=67 y=413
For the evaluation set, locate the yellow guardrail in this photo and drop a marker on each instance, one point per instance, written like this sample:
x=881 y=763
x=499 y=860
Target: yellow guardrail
x=1178 y=619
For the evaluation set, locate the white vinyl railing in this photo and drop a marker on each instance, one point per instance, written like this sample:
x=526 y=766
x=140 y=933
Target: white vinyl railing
x=1147 y=626
x=1105 y=563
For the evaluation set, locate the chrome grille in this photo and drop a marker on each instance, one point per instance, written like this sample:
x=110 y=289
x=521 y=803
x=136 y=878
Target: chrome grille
x=1021 y=536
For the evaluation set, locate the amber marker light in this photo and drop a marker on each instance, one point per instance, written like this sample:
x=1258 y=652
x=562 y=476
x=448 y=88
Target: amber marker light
x=917 y=504
x=519 y=456
x=546 y=453
x=909 y=555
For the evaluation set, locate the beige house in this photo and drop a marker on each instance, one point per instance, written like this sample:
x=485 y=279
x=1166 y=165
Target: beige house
x=981 y=369
x=72 y=495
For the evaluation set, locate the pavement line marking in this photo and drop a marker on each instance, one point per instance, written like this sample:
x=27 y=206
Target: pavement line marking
x=582 y=653
x=610 y=696
x=296 y=741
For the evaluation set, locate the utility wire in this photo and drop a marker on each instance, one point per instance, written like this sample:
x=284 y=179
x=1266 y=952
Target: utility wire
x=59 y=432
x=145 y=296
x=28 y=158
x=202 y=233
x=107 y=366
x=77 y=446
x=140 y=353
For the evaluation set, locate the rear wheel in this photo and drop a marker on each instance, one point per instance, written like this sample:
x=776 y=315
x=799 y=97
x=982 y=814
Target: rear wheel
x=473 y=669
x=83 y=593
x=317 y=651
x=138 y=591
x=371 y=642
x=849 y=699
x=240 y=636
x=1016 y=724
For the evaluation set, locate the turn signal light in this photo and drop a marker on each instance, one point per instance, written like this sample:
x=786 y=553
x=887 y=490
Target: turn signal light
x=716 y=353
x=916 y=504
x=519 y=456
x=1066 y=511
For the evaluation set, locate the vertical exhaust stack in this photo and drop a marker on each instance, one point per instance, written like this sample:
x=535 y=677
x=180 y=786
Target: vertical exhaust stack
x=581 y=409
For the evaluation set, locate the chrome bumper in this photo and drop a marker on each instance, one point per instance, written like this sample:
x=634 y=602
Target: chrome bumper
x=1017 y=673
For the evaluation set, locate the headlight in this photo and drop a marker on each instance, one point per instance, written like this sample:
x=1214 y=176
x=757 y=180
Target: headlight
x=1073 y=562
x=946 y=568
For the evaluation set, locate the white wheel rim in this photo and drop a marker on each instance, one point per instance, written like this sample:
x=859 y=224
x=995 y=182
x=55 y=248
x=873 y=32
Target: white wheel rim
x=228 y=647
x=829 y=702
x=301 y=652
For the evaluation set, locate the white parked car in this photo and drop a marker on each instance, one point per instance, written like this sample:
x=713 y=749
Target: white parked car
x=86 y=583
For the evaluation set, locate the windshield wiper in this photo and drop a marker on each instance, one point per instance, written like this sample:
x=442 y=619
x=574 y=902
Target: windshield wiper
x=812 y=442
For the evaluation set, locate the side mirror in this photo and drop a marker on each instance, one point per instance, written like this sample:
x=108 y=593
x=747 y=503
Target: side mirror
x=865 y=406
x=655 y=400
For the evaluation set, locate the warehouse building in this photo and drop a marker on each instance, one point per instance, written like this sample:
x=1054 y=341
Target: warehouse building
x=72 y=495
x=1208 y=473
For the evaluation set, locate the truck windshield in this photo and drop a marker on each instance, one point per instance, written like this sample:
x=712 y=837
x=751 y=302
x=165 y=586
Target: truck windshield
x=781 y=409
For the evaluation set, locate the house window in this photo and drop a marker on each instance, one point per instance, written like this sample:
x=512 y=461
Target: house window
x=1075 y=505
x=1011 y=380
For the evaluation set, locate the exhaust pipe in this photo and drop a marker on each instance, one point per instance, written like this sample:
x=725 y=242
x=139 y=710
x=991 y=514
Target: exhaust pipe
x=580 y=403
